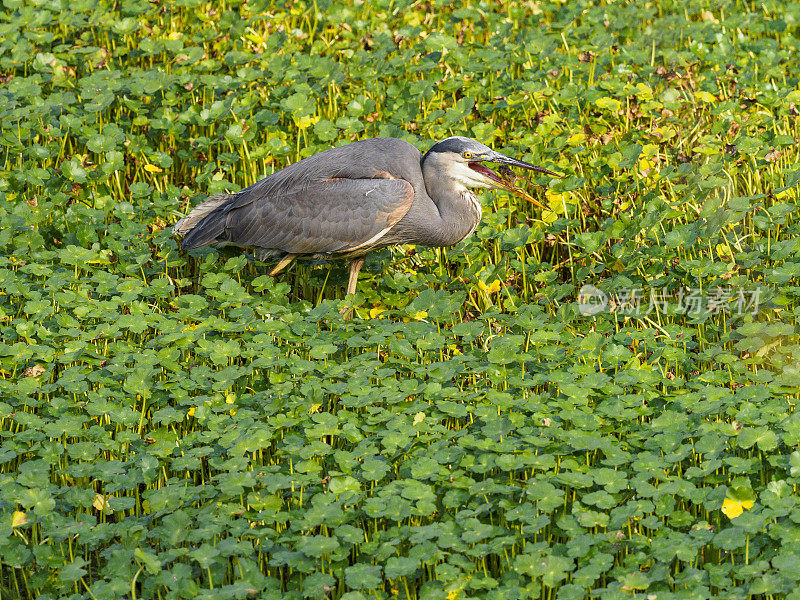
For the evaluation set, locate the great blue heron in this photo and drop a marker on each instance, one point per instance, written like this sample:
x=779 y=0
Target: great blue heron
x=353 y=199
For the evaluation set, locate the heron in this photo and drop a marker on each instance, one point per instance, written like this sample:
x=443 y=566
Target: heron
x=353 y=199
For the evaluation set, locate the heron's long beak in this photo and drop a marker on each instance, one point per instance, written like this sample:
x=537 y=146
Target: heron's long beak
x=507 y=160
x=506 y=181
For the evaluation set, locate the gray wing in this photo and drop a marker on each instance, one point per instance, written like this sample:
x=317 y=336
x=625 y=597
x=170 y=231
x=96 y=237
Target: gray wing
x=306 y=216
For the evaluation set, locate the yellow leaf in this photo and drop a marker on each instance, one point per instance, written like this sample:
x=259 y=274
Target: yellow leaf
x=190 y=412
x=255 y=38
x=555 y=200
x=649 y=150
x=306 y=122
x=548 y=216
x=705 y=97
x=217 y=176
x=152 y=169
x=709 y=17
x=19 y=519
x=664 y=133
x=230 y=398
x=645 y=91
x=733 y=508
x=376 y=312
x=419 y=315
x=647 y=169
x=314 y=408
x=723 y=251
x=576 y=138
x=611 y=104
x=419 y=418
x=102 y=503
x=490 y=288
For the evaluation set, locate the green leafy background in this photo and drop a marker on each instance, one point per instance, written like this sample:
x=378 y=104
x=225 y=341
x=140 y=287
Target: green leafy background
x=184 y=426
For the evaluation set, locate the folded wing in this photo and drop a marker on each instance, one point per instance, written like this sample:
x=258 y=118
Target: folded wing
x=334 y=215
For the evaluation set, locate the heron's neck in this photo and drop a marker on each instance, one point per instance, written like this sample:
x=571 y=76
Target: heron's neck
x=458 y=207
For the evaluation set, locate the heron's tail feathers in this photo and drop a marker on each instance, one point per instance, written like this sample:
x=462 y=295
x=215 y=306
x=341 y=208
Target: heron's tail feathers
x=199 y=226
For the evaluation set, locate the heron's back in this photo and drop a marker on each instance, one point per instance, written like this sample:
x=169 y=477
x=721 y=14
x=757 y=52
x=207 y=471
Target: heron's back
x=316 y=205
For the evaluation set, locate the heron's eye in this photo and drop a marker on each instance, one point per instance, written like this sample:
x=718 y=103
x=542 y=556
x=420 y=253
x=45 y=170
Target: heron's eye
x=468 y=155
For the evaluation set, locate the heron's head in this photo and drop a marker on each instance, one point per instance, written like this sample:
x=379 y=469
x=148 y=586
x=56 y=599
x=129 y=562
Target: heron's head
x=462 y=159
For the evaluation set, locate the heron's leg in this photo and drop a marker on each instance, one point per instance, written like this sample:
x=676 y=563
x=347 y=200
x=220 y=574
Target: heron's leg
x=355 y=267
x=282 y=264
